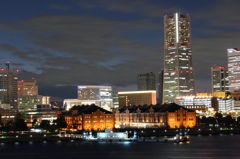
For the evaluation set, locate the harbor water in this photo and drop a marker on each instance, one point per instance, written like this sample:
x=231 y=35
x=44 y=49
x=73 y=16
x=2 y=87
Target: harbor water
x=199 y=147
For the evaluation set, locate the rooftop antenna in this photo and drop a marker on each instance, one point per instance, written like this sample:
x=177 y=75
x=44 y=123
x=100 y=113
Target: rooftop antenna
x=7 y=64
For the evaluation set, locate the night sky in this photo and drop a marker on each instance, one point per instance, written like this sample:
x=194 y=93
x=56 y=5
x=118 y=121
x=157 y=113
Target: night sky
x=65 y=43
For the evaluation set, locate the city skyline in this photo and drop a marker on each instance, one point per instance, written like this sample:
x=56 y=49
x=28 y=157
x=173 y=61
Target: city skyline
x=64 y=44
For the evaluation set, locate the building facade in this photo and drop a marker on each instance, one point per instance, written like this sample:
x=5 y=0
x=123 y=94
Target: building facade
x=7 y=115
x=88 y=117
x=95 y=94
x=130 y=98
x=178 y=66
x=219 y=79
x=31 y=101
x=206 y=103
x=234 y=69
x=27 y=88
x=155 y=116
x=9 y=87
x=146 y=81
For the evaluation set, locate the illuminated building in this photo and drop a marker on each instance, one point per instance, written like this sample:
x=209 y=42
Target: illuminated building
x=205 y=103
x=234 y=69
x=9 y=87
x=155 y=116
x=27 y=88
x=7 y=115
x=115 y=102
x=236 y=97
x=69 y=103
x=181 y=118
x=43 y=112
x=130 y=98
x=88 y=117
x=146 y=82
x=224 y=105
x=94 y=94
x=219 y=79
x=178 y=65
x=31 y=101
x=198 y=103
x=220 y=94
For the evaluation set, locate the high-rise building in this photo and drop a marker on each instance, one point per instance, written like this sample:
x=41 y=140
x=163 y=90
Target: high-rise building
x=178 y=65
x=9 y=87
x=234 y=69
x=146 y=81
x=160 y=86
x=95 y=94
x=219 y=76
x=27 y=88
x=31 y=101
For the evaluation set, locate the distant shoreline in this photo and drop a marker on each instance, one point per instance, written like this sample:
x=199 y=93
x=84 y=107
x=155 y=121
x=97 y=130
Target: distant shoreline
x=141 y=133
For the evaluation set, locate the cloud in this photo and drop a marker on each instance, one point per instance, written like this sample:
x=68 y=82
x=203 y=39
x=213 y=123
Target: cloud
x=86 y=47
x=111 y=48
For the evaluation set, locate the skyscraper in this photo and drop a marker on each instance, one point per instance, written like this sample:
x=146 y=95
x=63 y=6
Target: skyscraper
x=160 y=86
x=146 y=81
x=178 y=65
x=27 y=88
x=219 y=76
x=9 y=87
x=234 y=69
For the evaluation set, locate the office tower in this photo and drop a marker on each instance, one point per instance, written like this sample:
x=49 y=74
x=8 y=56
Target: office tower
x=95 y=94
x=9 y=87
x=27 y=88
x=31 y=101
x=178 y=65
x=160 y=86
x=219 y=76
x=146 y=81
x=234 y=69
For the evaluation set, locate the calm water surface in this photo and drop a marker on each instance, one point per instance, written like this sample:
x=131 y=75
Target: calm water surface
x=199 y=147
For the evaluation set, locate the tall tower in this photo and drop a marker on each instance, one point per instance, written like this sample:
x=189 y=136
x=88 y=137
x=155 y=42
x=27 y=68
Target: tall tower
x=178 y=65
x=219 y=76
x=234 y=69
x=9 y=87
x=146 y=81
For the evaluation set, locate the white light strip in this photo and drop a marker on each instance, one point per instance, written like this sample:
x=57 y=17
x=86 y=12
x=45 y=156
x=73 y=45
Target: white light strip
x=176 y=27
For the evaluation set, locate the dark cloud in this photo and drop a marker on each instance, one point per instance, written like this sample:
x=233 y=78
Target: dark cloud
x=144 y=7
x=7 y=47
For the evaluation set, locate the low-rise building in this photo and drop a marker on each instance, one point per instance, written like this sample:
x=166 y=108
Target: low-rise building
x=155 y=116
x=43 y=112
x=87 y=117
x=206 y=103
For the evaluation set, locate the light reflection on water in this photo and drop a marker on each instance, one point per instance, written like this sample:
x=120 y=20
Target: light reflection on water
x=199 y=147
